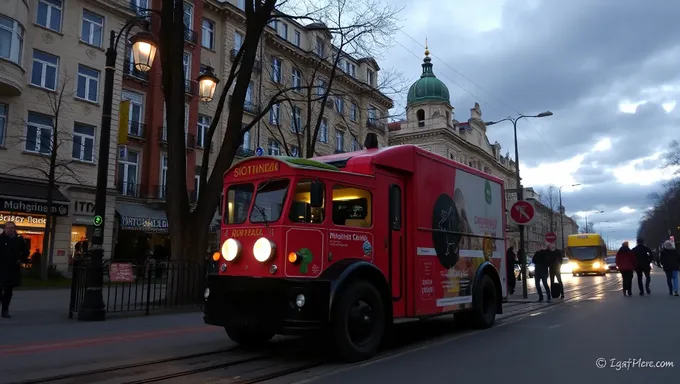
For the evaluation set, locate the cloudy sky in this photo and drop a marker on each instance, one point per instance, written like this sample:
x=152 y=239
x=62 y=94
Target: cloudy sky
x=609 y=70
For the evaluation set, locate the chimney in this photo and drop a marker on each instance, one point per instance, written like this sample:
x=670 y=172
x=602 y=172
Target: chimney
x=371 y=141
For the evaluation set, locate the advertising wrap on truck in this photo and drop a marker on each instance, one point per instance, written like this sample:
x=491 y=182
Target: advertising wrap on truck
x=471 y=205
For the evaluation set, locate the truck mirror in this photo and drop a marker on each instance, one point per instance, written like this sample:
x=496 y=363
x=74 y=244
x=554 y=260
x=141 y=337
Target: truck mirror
x=316 y=195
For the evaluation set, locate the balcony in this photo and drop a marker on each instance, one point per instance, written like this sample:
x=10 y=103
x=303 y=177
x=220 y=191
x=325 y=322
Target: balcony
x=11 y=79
x=376 y=124
x=137 y=130
x=130 y=189
x=245 y=152
x=190 y=87
x=190 y=36
x=130 y=72
x=249 y=106
x=161 y=193
x=189 y=139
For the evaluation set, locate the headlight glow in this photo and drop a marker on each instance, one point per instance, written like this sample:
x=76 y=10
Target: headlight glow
x=573 y=265
x=231 y=249
x=596 y=264
x=263 y=249
x=532 y=268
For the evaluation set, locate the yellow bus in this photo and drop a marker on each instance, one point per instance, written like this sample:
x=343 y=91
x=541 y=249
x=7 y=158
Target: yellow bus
x=587 y=253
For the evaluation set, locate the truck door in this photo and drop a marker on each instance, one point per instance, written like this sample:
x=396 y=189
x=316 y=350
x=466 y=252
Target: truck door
x=396 y=244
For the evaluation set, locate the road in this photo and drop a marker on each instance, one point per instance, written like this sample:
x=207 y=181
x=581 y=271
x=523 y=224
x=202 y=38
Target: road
x=566 y=344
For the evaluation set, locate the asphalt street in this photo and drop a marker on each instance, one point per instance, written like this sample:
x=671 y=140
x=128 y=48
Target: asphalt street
x=604 y=338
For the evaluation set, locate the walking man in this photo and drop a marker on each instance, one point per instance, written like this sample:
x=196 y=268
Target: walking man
x=13 y=252
x=510 y=267
x=541 y=262
x=626 y=263
x=671 y=264
x=644 y=259
x=555 y=258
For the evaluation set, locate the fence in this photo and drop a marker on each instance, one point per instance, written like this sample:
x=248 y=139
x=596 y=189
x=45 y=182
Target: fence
x=156 y=286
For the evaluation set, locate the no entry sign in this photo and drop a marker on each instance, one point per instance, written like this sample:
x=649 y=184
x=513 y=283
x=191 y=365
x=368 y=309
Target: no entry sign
x=522 y=212
x=551 y=237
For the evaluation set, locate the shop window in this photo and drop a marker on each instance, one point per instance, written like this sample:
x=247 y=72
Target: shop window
x=351 y=206
x=238 y=202
x=300 y=209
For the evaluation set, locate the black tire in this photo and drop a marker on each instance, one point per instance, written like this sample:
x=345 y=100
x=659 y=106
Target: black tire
x=485 y=302
x=359 y=300
x=249 y=337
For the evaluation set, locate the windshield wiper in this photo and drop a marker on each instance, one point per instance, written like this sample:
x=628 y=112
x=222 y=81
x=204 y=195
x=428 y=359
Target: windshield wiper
x=260 y=209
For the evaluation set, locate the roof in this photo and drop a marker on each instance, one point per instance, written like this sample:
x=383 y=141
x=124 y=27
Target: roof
x=428 y=87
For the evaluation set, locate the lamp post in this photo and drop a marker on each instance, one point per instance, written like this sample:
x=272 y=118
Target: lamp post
x=520 y=191
x=562 y=213
x=586 y=216
x=144 y=47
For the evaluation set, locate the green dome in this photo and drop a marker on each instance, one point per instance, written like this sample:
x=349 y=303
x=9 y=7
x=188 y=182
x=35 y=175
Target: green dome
x=428 y=87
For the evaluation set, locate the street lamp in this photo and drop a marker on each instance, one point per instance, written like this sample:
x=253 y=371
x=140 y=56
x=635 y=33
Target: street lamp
x=520 y=191
x=562 y=212
x=586 y=216
x=207 y=82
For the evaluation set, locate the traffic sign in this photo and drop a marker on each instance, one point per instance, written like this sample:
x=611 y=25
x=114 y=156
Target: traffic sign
x=97 y=221
x=522 y=212
x=551 y=237
x=259 y=151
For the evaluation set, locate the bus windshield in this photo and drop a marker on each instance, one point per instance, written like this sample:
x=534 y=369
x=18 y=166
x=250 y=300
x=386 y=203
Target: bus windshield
x=238 y=201
x=269 y=200
x=583 y=253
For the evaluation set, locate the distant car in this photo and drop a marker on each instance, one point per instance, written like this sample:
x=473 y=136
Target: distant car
x=611 y=264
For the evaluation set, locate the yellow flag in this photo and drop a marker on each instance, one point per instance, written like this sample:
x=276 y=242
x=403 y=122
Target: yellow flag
x=123 y=121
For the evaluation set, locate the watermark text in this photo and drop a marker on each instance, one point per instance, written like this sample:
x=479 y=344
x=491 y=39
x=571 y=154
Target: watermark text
x=631 y=363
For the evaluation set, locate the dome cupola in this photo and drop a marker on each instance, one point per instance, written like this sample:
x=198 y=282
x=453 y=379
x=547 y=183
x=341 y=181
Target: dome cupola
x=428 y=87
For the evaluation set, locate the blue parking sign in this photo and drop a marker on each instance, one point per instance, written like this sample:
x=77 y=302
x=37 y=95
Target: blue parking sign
x=259 y=151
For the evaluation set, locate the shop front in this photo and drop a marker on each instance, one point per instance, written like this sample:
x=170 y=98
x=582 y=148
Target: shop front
x=142 y=232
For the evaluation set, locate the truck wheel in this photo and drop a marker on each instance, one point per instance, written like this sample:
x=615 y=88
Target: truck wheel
x=249 y=337
x=483 y=314
x=358 y=322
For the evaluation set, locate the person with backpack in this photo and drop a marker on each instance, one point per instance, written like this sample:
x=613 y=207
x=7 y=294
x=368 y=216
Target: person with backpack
x=644 y=265
x=626 y=262
x=555 y=259
x=541 y=262
x=670 y=260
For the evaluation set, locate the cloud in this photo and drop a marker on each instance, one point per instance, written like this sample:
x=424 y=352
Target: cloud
x=612 y=88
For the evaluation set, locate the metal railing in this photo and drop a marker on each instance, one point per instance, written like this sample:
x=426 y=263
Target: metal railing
x=190 y=36
x=129 y=189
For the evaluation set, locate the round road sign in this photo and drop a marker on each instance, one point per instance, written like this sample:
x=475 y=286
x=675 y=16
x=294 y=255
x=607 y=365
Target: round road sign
x=551 y=237
x=522 y=212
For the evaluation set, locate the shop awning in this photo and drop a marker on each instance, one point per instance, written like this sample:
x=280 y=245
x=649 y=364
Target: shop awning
x=30 y=197
x=141 y=217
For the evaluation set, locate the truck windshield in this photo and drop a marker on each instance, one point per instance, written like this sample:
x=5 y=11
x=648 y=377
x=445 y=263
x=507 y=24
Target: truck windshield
x=238 y=201
x=269 y=200
x=583 y=253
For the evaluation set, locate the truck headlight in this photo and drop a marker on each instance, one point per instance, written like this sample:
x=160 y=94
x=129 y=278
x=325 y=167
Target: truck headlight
x=596 y=265
x=573 y=266
x=263 y=249
x=231 y=249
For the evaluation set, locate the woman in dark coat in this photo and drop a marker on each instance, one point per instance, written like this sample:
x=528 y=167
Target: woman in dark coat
x=626 y=263
x=670 y=260
x=13 y=252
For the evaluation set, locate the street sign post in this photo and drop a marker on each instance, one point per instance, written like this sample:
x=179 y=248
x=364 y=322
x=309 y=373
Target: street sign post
x=522 y=212
x=551 y=237
x=259 y=151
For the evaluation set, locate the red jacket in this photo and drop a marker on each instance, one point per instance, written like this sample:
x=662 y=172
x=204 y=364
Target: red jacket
x=626 y=260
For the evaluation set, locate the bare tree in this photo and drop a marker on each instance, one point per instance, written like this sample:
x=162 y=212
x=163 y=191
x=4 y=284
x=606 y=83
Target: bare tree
x=663 y=219
x=550 y=199
x=53 y=162
x=188 y=224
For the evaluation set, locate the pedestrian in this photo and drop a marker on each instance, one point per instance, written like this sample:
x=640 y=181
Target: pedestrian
x=510 y=268
x=671 y=264
x=626 y=262
x=541 y=262
x=644 y=265
x=555 y=257
x=13 y=252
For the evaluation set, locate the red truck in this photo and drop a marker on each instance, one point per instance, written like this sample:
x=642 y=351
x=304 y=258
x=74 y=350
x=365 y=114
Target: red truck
x=348 y=243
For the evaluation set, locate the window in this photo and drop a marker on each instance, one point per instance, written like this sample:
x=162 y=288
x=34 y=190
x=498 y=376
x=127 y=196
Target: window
x=238 y=41
x=238 y=202
x=283 y=31
x=11 y=40
x=188 y=16
x=340 y=105
x=297 y=80
x=294 y=151
x=197 y=183
x=296 y=39
x=48 y=14
x=136 y=114
x=370 y=77
x=351 y=206
x=186 y=65
x=202 y=130
x=273 y=148
x=323 y=131
x=276 y=70
x=163 y=186
x=320 y=46
x=245 y=140
x=39 y=133
x=300 y=210
x=88 y=84
x=91 y=28
x=274 y=24
x=140 y=7
x=296 y=120
x=372 y=114
x=45 y=67
x=320 y=87
x=353 y=112
x=127 y=174
x=355 y=144
x=274 y=113
x=339 y=140
x=208 y=34
x=83 y=142
x=350 y=69
x=249 y=95
x=420 y=115
x=241 y=4
x=3 y=123
x=269 y=199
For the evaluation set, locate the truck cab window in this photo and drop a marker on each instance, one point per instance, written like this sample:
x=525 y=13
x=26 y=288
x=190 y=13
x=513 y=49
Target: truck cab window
x=237 y=203
x=352 y=206
x=269 y=200
x=300 y=209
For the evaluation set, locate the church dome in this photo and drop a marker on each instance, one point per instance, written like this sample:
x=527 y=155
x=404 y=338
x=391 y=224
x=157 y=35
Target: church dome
x=428 y=87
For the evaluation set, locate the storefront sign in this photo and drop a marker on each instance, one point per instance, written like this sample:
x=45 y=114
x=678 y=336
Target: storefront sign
x=83 y=207
x=143 y=224
x=121 y=273
x=256 y=169
x=17 y=205
x=32 y=221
